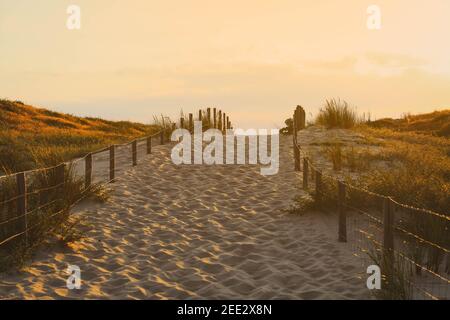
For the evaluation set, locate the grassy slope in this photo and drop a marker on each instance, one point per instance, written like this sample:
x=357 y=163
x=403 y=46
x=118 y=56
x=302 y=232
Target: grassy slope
x=408 y=159
x=435 y=123
x=31 y=137
x=421 y=146
x=415 y=153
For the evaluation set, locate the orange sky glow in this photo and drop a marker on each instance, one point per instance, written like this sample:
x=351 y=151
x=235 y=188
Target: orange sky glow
x=254 y=59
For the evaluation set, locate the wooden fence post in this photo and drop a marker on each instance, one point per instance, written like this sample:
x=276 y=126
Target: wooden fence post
x=191 y=122
x=297 y=157
x=162 y=136
x=305 y=173
x=318 y=187
x=200 y=115
x=149 y=144
x=134 y=152
x=388 y=224
x=88 y=171
x=300 y=116
x=219 y=121
x=208 y=115
x=224 y=122
x=388 y=239
x=215 y=118
x=228 y=122
x=60 y=178
x=112 y=163
x=342 y=213
x=303 y=119
x=22 y=204
x=182 y=123
x=294 y=141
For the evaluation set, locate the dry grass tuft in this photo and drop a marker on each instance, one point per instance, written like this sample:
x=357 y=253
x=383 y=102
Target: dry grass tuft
x=334 y=153
x=29 y=134
x=337 y=114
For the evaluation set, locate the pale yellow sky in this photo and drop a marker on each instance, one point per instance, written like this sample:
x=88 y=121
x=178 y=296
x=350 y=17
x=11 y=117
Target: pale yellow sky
x=255 y=59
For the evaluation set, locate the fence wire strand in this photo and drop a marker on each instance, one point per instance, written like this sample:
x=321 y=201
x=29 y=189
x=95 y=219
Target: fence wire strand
x=365 y=230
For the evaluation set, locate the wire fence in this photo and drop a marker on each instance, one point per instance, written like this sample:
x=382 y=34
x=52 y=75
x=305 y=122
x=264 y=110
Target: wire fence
x=33 y=203
x=409 y=244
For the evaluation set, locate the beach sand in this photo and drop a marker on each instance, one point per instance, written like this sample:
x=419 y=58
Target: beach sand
x=198 y=232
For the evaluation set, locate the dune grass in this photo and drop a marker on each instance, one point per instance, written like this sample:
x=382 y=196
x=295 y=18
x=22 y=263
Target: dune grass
x=335 y=154
x=29 y=134
x=411 y=164
x=48 y=215
x=436 y=123
x=417 y=169
x=38 y=138
x=337 y=114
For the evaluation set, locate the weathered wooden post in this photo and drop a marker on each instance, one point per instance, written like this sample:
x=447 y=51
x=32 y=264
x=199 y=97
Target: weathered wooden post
x=297 y=156
x=182 y=123
x=191 y=122
x=22 y=205
x=342 y=213
x=219 y=121
x=215 y=118
x=388 y=224
x=208 y=114
x=112 y=162
x=300 y=117
x=388 y=238
x=303 y=119
x=60 y=179
x=294 y=141
x=88 y=171
x=228 y=122
x=149 y=144
x=305 y=173
x=318 y=188
x=224 y=122
x=200 y=115
x=134 y=152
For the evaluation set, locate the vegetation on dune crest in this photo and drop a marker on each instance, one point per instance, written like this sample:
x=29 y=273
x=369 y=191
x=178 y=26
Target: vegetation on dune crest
x=29 y=134
x=436 y=123
x=415 y=161
x=39 y=138
x=48 y=215
x=337 y=114
x=407 y=159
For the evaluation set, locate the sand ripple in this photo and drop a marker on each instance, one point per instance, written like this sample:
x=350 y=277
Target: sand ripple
x=197 y=232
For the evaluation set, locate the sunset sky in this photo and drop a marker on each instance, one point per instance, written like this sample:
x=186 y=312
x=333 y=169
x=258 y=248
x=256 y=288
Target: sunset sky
x=255 y=59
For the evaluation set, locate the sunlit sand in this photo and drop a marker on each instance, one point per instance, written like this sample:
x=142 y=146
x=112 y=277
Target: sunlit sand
x=197 y=231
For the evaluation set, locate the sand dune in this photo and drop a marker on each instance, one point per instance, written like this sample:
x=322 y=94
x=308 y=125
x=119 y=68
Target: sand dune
x=198 y=232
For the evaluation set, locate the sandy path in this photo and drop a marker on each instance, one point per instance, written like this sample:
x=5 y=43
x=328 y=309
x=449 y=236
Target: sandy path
x=198 y=232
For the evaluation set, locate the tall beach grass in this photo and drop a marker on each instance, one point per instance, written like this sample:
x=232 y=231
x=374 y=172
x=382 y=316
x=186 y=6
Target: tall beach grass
x=337 y=114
